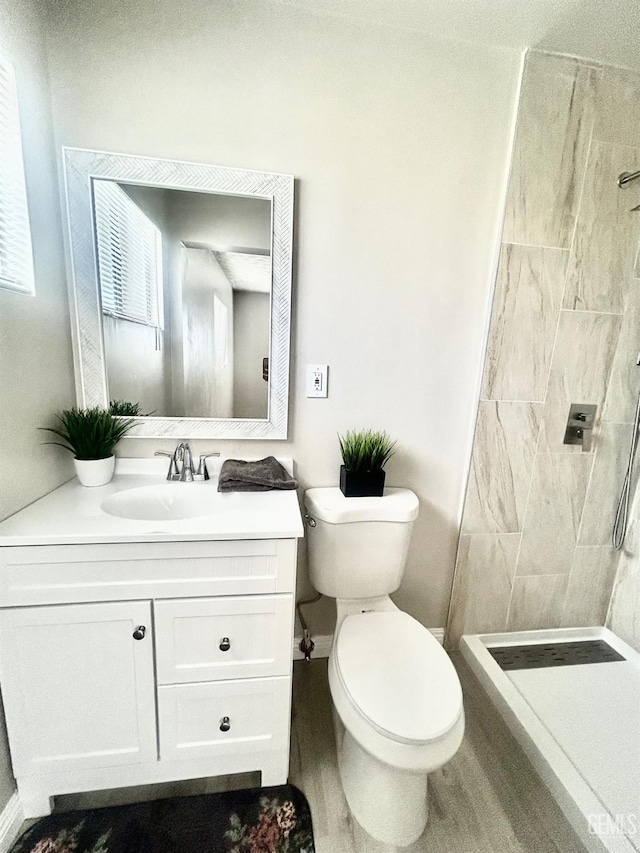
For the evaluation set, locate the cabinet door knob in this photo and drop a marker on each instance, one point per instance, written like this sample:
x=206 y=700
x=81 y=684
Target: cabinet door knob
x=225 y=725
x=225 y=645
x=139 y=633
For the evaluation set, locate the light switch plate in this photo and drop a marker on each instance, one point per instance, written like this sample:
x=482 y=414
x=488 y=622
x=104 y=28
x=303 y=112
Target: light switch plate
x=317 y=380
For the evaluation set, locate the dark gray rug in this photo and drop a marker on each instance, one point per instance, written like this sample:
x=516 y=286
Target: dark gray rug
x=257 y=820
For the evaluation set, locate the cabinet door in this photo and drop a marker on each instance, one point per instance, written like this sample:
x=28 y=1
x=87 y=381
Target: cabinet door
x=78 y=688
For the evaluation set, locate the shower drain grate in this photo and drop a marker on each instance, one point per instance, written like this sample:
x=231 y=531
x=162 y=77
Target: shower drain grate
x=540 y=655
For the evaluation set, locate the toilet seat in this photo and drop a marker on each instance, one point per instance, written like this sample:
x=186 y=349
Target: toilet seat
x=397 y=677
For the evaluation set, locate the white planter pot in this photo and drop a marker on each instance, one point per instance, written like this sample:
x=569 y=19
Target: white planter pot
x=95 y=472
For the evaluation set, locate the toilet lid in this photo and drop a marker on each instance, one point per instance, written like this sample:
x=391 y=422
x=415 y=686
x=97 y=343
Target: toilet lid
x=398 y=676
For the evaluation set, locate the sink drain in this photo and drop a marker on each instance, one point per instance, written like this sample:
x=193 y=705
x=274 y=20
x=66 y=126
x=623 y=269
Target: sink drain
x=539 y=655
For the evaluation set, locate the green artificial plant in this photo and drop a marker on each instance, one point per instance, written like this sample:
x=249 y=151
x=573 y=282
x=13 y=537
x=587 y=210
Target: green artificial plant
x=366 y=450
x=89 y=433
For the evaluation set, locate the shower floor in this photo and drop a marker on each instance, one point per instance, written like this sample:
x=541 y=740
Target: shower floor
x=579 y=724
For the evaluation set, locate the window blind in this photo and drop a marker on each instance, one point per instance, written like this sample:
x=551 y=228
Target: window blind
x=129 y=249
x=16 y=260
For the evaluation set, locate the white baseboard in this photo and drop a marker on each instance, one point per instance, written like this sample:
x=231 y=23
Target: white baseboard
x=322 y=648
x=323 y=645
x=438 y=633
x=11 y=820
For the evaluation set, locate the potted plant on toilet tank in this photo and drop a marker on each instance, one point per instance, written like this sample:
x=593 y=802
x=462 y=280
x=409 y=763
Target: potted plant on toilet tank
x=364 y=455
x=91 y=435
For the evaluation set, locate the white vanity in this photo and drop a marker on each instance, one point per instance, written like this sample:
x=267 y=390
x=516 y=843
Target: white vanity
x=142 y=650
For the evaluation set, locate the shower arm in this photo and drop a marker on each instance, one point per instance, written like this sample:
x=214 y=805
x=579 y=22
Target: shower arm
x=626 y=178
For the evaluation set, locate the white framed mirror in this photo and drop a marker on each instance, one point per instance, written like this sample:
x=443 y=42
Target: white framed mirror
x=180 y=292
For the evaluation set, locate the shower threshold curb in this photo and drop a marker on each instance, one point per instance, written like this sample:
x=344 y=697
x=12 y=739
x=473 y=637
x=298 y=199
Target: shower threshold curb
x=575 y=796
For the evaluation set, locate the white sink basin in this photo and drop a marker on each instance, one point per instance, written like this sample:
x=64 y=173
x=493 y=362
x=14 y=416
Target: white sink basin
x=166 y=502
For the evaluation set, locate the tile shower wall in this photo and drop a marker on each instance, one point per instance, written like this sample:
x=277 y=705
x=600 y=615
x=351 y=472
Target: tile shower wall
x=565 y=328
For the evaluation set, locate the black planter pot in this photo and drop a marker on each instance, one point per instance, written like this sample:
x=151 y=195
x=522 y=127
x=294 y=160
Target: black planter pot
x=361 y=484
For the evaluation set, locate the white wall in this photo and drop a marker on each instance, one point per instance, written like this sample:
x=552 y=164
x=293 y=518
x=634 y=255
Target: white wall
x=399 y=144
x=36 y=373
x=219 y=222
x=208 y=386
x=251 y=326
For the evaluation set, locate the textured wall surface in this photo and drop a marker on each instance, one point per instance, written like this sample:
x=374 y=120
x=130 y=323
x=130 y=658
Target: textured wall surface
x=534 y=548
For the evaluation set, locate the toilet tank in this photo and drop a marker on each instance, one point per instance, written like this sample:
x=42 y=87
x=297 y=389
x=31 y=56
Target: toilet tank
x=357 y=547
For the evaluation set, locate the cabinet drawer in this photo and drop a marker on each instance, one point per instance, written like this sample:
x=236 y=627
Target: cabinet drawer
x=61 y=574
x=255 y=714
x=206 y=639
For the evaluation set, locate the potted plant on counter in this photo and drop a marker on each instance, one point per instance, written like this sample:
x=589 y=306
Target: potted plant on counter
x=91 y=435
x=364 y=455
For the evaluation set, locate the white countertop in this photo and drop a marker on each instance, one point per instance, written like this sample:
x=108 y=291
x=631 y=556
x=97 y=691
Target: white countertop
x=72 y=513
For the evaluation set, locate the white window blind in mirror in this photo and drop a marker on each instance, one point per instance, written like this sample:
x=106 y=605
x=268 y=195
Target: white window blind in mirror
x=129 y=257
x=16 y=260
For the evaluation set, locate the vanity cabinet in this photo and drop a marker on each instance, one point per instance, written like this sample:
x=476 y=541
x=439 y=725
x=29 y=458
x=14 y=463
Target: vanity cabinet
x=134 y=663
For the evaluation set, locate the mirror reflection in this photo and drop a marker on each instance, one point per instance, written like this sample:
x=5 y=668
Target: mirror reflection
x=185 y=293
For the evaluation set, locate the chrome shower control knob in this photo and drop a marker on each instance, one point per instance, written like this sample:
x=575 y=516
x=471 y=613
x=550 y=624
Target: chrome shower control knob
x=225 y=644
x=225 y=725
x=139 y=633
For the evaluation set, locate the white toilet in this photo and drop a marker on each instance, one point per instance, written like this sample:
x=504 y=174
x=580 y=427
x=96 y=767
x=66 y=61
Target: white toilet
x=397 y=699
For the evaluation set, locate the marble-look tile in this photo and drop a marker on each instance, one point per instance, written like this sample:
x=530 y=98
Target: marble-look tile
x=537 y=602
x=503 y=452
x=482 y=585
x=526 y=304
x=556 y=500
x=590 y=584
x=608 y=473
x=624 y=612
x=555 y=119
x=580 y=368
x=618 y=107
x=624 y=383
x=605 y=246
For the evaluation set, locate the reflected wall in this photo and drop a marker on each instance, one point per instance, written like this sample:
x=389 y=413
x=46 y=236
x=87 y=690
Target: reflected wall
x=202 y=356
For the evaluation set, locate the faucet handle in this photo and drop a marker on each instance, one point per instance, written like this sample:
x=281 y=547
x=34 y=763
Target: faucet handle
x=202 y=473
x=173 y=473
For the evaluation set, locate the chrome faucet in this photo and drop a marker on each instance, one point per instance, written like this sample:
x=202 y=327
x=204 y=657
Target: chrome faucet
x=181 y=464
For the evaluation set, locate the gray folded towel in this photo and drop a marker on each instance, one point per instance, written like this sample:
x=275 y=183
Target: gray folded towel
x=236 y=475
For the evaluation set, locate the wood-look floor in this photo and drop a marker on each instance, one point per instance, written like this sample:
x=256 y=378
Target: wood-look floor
x=488 y=799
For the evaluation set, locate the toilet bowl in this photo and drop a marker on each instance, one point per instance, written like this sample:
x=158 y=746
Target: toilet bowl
x=397 y=700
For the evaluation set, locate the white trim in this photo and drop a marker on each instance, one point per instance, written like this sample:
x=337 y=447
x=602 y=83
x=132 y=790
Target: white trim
x=322 y=649
x=323 y=643
x=11 y=820
x=438 y=633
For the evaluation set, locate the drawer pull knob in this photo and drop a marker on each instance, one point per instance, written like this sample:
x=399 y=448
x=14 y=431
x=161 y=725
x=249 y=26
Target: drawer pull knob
x=139 y=633
x=225 y=645
x=225 y=725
